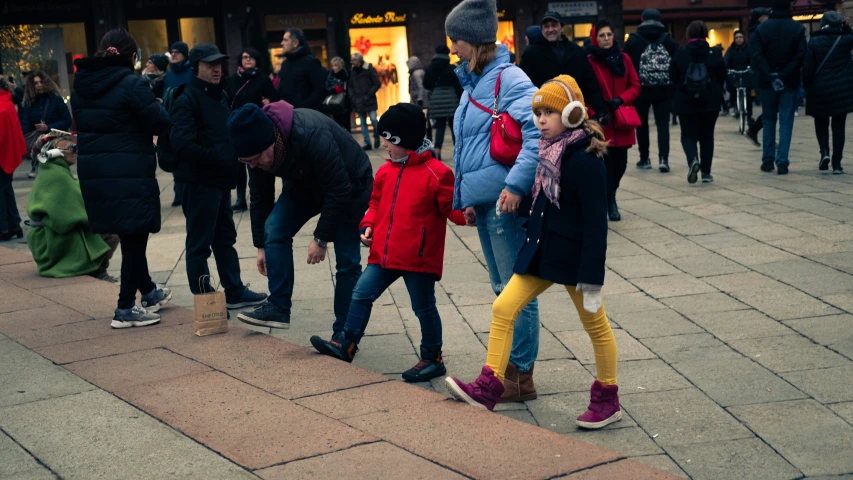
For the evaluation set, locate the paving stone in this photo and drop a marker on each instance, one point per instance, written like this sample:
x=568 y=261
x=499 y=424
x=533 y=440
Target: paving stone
x=680 y=348
x=16 y=299
x=127 y=341
x=631 y=302
x=389 y=364
x=746 y=458
x=843 y=410
x=557 y=413
x=784 y=303
x=655 y=323
x=836 y=233
x=704 y=303
x=479 y=317
x=841 y=260
x=823 y=384
x=549 y=347
x=640 y=266
x=581 y=346
x=615 y=285
x=26 y=276
x=661 y=462
x=27 y=377
x=519 y=415
x=769 y=232
x=25 y=322
x=245 y=424
x=463 y=294
x=706 y=265
x=740 y=324
x=756 y=254
x=371 y=461
x=9 y=257
x=794 y=269
x=644 y=376
x=695 y=226
x=89 y=435
x=811 y=245
x=369 y=399
x=561 y=376
x=743 y=281
x=621 y=469
x=833 y=283
x=623 y=248
x=842 y=301
x=673 y=286
x=484 y=443
x=825 y=330
x=119 y=372
x=630 y=442
x=806 y=433
x=16 y=463
x=683 y=417
x=789 y=353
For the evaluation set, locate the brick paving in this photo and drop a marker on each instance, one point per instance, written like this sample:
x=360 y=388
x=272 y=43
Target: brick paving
x=731 y=301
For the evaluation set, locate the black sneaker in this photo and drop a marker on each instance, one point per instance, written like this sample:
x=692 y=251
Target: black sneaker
x=339 y=347
x=823 y=164
x=135 y=316
x=707 y=178
x=431 y=366
x=157 y=299
x=767 y=167
x=644 y=164
x=246 y=299
x=782 y=169
x=367 y=147
x=837 y=170
x=266 y=315
x=692 y=174
x=752 y=135
x=663 y=165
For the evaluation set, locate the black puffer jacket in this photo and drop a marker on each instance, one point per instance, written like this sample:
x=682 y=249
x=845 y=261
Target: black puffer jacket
x=249 y=86
x=540 y=63
x=444 y=85
x=778 y=46
x=363 y=85
x=737 y=57
x=117 y=117
x=302 y=80
x=199 y=136
x=698 y=51
x=829 y=92
x=650 y=31
x=323 y=162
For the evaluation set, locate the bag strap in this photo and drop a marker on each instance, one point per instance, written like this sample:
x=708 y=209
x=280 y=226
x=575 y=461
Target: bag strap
x=238 y=92
x=494 y=110
x=832 y=49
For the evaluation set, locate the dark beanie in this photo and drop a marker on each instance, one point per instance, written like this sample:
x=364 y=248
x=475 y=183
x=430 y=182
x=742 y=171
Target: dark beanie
x=160 y=61
x=831 y=19
x=404 y=124
x=181 y=47
x=781 y=5
x=652 y=14
x=442 y=50
x=250 y=131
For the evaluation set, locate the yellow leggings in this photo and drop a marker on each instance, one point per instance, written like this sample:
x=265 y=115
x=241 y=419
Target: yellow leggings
x=520 y=291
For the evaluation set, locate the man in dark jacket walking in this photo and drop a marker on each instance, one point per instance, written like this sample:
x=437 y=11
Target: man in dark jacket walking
x=180 y=72
x=326 y=173
x=556 y=56
x=778 y=48
x=651 y=50
x=445 y=92
x=208 y=168
x=301 y=80
x=363 y=86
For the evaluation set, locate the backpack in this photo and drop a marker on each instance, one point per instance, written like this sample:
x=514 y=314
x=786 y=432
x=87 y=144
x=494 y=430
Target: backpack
x=697 y=84
x=654 y=63
x=166 y=157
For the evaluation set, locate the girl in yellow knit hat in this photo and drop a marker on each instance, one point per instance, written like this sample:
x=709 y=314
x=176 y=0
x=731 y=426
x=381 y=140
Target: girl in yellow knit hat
x=566 y=244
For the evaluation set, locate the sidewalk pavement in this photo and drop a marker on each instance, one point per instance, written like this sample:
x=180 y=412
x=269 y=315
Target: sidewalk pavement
x=731 y=304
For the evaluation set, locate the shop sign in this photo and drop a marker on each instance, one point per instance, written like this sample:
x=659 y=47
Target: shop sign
x=307 y=21
x=387 y=18
x=575 y=9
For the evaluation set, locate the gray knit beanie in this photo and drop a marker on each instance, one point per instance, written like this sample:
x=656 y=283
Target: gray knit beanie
x=831 y=19
x=473 y=21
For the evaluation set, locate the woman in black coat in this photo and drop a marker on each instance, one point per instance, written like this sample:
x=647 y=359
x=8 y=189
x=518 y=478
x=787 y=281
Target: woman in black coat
x=698 y=74
x=445 y=92
x=42 y=110
x=336 y=82
x=248 y=85
x=116 y=116
x=829 y=91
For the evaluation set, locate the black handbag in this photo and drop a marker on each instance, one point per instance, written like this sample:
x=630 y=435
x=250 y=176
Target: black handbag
x=335 y=103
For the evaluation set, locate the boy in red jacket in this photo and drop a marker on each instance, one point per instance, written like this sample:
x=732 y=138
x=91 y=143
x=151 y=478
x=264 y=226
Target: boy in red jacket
x=404 y=227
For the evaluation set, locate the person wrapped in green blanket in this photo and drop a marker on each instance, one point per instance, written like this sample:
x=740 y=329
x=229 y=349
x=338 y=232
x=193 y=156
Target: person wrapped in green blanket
x=58 y=236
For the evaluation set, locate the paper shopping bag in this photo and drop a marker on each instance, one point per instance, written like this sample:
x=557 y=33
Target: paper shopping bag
x=211 y=315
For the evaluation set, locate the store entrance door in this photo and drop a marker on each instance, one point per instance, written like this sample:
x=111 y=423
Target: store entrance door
x=387 y=49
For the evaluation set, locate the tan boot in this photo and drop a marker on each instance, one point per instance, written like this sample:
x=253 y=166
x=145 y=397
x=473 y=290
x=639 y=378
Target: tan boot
x=518 y=387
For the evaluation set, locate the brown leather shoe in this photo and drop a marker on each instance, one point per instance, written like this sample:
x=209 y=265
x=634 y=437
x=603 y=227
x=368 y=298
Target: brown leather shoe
x=518 y=387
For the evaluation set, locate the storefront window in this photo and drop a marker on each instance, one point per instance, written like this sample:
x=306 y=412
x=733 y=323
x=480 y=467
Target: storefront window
x=506 y=35
x=150 y=36
x=51 y=48
x=195 y=31
x=629 y=29
x=721 y=33
x=386 y=48
x=578 y=32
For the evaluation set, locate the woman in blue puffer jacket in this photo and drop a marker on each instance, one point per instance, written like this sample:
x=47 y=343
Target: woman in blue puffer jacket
x=481 y=181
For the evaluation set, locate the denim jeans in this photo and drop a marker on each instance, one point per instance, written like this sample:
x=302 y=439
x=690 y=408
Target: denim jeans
x=292 y=211
x=502 y=238
x=373 y=121
x=784 y=105
x=421 y=287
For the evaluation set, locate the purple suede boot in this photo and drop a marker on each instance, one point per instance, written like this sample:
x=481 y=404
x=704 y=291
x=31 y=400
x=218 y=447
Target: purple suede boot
x=603 y=407
x=484 y=392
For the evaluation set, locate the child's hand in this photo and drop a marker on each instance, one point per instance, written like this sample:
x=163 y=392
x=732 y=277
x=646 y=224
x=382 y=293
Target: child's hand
x=470 y=216
x=367 y=237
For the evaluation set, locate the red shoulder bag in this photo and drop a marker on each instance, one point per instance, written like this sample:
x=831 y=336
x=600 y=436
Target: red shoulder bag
x=505 y=138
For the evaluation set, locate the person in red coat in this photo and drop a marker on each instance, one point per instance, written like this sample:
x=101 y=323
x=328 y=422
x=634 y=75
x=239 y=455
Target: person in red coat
x=11 y=152
x=620 y=86
x=405 y=228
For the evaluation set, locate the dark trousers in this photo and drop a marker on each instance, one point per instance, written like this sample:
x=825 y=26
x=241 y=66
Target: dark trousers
x=697 y=137
x=616 y=162
x=343 y=119
x=663 y=109
x=134 y=269
x=210 y=225
x=179 y=192
x=821 y=128
x=441 y=125
x=242 y=180
x=10 y=219
x=421 y=287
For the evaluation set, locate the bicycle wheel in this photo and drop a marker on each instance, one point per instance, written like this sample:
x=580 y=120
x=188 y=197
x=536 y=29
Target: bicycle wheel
x=741 y=105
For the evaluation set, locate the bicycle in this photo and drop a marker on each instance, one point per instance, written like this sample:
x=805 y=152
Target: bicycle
x=739 y=76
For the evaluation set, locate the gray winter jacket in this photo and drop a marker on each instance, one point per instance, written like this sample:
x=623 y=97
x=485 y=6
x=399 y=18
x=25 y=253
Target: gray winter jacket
x=416 y=82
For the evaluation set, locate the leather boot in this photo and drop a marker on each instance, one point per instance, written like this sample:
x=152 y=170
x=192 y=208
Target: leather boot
x=612 y=208
x=603 y=407
x=518 y=387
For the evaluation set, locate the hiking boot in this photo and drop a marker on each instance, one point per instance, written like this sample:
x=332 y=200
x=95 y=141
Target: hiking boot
x=663 y=165
x=247 y=298
x=156 y=299
x=518 y=387
x=752 y=135
x=644 y=164
x=707 y=178
x=693 y=171
x=613 y=209
x=484 y=392
x=782 y=169
x=266 y=315
x=603 y=407
x=823 y=164
x=431 y=366
x=767 y=167
x=135 y=316
x=340 y=347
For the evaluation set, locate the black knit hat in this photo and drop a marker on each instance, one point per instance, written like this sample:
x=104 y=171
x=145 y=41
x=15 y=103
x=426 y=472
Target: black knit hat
x=250 y=131
x=404 y=124
x=160 y=61
x=781 y=5
x=442 y=50
x=181 y=47
x=651 y=14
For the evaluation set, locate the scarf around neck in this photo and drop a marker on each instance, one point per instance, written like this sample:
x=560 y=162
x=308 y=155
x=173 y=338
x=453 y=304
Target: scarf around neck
x=551 y=163
x=612 y=57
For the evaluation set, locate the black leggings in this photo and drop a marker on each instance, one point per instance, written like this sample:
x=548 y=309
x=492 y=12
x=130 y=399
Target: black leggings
x=821 y=128
x=134 y=269
x=699 y=128
x=616 y=162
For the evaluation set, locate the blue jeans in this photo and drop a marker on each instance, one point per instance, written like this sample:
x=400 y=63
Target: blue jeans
x=783 y=104
x=502 y=238
x=292 y=211
x=373 y=121
x=421 y=287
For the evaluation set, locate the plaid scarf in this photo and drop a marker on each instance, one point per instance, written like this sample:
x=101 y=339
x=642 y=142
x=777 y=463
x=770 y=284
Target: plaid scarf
x=551 y=162
x=279 y=151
